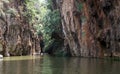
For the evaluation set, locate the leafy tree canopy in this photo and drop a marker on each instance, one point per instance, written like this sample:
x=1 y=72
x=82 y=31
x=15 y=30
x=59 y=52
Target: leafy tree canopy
x=43 y=18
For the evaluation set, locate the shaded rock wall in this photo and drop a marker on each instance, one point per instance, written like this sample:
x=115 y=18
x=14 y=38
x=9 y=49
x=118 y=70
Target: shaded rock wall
x=17 y=36
x=91 y=27
x=56 y=47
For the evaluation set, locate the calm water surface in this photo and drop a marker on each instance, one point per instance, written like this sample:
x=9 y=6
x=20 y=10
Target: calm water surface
x=57 y=65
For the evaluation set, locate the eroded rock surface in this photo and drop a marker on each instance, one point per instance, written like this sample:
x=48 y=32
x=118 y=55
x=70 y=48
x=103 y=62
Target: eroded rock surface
x=91 y=27
x=17 y=36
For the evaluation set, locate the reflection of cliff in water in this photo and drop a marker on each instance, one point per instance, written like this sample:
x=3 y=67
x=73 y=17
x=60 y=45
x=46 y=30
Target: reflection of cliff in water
x=83 y=66
x=1 y=65
x=19 y=65
x=58 y=65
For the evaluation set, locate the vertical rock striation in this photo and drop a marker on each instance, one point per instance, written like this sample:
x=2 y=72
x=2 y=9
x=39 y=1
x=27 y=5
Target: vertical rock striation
x=17 y=36
x=91 y=27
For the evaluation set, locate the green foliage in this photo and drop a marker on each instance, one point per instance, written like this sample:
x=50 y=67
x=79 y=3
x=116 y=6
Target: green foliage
x=52 y=21
x=12 y=11
x=83 y=34
x=43 y=18
x=31 y=12
x=79 y=6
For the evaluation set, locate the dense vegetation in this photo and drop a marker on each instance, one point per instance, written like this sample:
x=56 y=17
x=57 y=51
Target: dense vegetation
x=44 y=18
x=90 y=27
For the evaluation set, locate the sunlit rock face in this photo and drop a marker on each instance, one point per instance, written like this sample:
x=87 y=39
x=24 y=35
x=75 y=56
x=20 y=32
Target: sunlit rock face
x=17 y=36
x=91 y=27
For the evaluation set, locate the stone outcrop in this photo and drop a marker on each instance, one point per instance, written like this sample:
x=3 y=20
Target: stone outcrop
x=91 y=27
x=17 y=36
x=56 y=46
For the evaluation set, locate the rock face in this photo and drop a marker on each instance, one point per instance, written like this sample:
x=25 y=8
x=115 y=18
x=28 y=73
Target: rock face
x=17 y=36
x=56 y=46
x=91 y=27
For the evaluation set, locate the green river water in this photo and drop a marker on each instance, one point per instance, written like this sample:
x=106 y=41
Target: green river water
x=57 y=65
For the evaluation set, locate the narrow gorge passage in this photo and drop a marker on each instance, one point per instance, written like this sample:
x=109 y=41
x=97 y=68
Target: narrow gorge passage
x=88 y=28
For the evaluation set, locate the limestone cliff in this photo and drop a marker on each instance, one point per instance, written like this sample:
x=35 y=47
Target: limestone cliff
x=91 y=27
x=17 y=36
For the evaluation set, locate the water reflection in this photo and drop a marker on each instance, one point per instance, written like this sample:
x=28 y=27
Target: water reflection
x=1 y=65
x=57 y=65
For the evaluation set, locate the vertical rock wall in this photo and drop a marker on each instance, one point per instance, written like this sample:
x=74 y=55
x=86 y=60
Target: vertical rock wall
x=91 y=27
x=71 y=26
x=17 y=36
